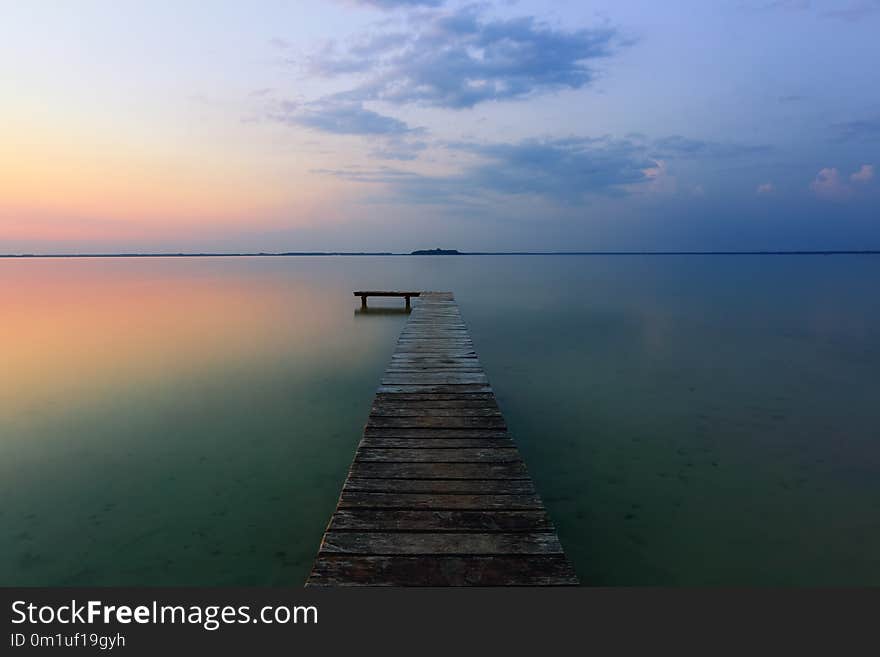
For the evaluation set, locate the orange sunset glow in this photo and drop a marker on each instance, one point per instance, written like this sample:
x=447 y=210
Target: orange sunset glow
x=85 y=332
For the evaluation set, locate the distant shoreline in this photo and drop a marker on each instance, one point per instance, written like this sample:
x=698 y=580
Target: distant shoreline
x=420 y=255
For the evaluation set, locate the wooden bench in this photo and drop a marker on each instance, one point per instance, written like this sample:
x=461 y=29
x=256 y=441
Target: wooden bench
x=363 y=294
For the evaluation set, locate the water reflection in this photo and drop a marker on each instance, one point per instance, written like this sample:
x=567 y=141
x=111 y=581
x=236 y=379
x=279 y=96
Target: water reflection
x=175 y=421
x=375 y=311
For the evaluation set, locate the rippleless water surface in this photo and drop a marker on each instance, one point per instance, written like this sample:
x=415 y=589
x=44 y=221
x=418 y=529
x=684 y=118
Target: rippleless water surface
x=688 y=420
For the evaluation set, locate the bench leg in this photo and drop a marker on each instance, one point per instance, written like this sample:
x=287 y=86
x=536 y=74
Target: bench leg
x=407 y=304
x=364 y=302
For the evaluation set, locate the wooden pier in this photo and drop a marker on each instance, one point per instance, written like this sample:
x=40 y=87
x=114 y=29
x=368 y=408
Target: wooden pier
x=438 y=494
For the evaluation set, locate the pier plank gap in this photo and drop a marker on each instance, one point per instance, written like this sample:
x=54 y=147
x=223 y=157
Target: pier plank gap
x=438 y=494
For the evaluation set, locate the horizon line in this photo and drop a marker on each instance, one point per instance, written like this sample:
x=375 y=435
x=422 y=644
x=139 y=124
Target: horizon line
x=458 y=253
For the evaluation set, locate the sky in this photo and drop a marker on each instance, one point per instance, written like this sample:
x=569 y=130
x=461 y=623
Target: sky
x=391 y=125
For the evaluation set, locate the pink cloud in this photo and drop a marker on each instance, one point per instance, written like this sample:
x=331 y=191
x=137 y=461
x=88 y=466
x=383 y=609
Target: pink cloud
x=863 y=175
x=765 y=188
x=829 y=186
x=660 y=181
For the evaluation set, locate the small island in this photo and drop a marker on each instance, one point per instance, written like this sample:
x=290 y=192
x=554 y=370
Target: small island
x=436 y=252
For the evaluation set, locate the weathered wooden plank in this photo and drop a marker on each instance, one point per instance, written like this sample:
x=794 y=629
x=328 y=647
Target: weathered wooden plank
x=430 y=375
x=436 y=404
x=421 y=366
x=396 y=520
x=427 y=421
x=345 y=570
x=427 y=351
x=432 y=397
x=409 y=356
x=421 y=432
x=468 y=486
x=423 y=344
x=435 y=387
x=386 y=293
x=441 y=357
x=432 y=378
x=434 y=354
x=439 y=470
x=436 y=328
x=402 y=411
x=423 y=361
x=461 y=408
x=433 y=455
x=369 y=442
x=359 y=500
x=416 y=360
x=436 y=374
x=390 y=543
x=420 y=346
x=466 y=355
x=439 y=342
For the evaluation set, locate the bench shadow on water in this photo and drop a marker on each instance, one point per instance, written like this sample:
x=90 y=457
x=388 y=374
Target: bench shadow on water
x=381 y=311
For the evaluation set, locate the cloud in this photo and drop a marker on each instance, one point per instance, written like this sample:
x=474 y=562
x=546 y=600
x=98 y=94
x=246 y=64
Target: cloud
x=860 y=129
x=390 y=138
x=765 y=188
x=565 y=171
x=683 y=147
x=398 y=149
x=781 y=5
x=368 y=175
x=863 y=175
x=854 y=11
x=349 y=119
x=659 y=179
x=340 y=117
x=562 y=169
x=829 y=186
x=278 y=42
x=397 y=4
x=459 y=59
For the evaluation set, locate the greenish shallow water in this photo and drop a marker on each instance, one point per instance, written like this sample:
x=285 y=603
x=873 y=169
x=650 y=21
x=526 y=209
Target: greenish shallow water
x=688 y=420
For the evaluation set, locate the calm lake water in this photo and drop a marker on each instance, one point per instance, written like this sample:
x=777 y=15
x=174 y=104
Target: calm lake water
x=705 y=420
